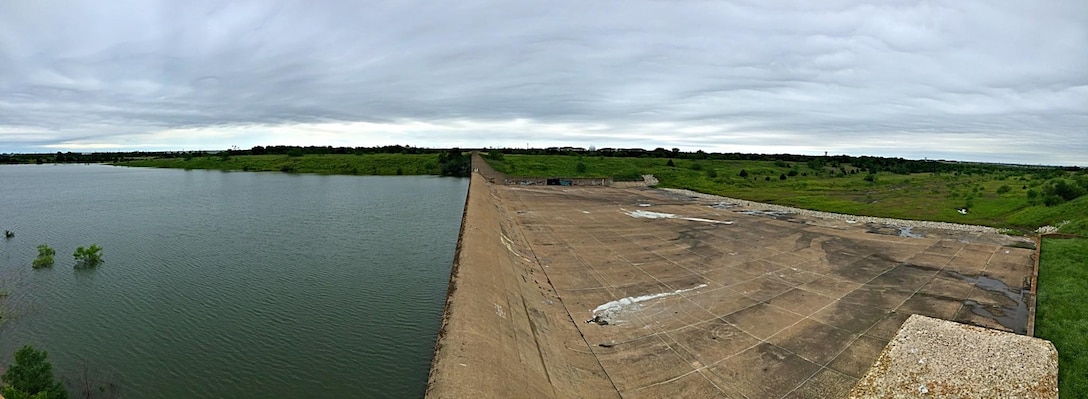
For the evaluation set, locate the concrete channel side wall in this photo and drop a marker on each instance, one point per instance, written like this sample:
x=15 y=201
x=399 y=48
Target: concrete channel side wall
x=505 y=334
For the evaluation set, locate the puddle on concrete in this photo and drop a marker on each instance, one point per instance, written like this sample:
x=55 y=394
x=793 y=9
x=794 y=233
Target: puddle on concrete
x=777 y=215
x=906 y=232
x=1014 y=318
x=723 y=205
x=890 y=230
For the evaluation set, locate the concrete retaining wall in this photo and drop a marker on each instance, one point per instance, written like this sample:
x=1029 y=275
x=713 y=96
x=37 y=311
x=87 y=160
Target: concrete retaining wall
x=505 y=333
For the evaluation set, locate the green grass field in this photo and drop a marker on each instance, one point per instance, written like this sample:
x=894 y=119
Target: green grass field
x=1062 y=314
x=998 y=199
x=330 y=164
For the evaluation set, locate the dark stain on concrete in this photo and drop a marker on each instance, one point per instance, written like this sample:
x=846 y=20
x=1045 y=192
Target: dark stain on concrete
x=1013 y=317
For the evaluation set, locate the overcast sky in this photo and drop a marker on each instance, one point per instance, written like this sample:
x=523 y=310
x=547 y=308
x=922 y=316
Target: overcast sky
x=980 y=80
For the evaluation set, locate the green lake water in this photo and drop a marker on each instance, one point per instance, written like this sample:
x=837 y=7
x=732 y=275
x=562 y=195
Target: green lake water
x=230 y=285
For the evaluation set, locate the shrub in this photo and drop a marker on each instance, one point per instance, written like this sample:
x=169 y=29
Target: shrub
x=45 y=257
x=870 y=178
x=792 y=173
x=31 y=377
x=88 y=257
x=743 y=173
x=1004 y=189
x=294 y=152
x=581 y=167
x=711 y=173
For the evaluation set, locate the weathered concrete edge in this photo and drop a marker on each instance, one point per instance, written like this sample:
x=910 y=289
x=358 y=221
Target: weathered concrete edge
x=505 y=332
x=931 y=357
x=1034 y=292
x=450 y=289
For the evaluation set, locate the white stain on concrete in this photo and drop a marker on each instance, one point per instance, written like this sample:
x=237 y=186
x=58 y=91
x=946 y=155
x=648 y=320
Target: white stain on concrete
x=708 y=220
x=650 y=215
x=606 y=313
x=660 y=215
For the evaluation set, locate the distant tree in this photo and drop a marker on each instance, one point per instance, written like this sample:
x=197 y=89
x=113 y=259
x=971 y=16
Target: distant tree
x=792 y=173
x=1064 y=189
x=497 y=155
x=88 y=257
x=768 y=178
x=454 y=163
x=743 y=173
x=31 y=377
x=670 y=164
x=782 y=176
x=45 y=257
x=294 y=152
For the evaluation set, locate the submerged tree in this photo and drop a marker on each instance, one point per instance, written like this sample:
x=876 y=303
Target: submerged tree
x=93 y=383
x=45 y=257
x=31 y=377
x=88 y=257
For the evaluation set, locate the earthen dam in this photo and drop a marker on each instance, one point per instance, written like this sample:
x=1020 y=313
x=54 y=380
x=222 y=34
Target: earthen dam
x=592 y=291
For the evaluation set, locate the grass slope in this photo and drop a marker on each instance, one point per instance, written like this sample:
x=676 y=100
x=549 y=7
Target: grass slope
x=331 y=164
x=921 y=196
x=1062 y=315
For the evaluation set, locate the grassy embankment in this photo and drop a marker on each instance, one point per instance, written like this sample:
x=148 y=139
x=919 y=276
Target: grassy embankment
x=1062 y=316
x=327 y=164
x=998 y=199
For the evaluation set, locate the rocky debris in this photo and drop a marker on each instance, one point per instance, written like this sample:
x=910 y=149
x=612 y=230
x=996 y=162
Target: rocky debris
x=1048 y=229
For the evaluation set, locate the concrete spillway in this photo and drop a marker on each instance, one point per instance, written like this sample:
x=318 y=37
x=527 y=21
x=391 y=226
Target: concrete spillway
x=505 y=333
x=634 y=292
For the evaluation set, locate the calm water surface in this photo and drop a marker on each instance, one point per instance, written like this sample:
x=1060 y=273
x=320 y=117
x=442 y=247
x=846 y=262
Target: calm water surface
x=230 y=285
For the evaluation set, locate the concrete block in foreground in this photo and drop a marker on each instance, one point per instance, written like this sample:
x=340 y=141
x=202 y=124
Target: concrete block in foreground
x=934 y=358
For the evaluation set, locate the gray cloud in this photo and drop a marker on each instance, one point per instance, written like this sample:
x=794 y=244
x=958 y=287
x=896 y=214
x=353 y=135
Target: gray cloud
x=979 y=80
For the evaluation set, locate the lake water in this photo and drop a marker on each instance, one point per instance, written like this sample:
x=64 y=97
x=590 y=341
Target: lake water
x=230 y=285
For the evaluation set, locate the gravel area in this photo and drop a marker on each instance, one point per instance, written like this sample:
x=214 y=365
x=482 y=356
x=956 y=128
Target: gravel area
x=838 y=216
x=933 y=358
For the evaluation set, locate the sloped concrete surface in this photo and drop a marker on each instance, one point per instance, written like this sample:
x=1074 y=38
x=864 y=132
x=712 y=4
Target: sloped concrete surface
x=654 y=294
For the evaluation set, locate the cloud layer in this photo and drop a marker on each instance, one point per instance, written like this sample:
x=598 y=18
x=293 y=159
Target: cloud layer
x=1003 y=81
